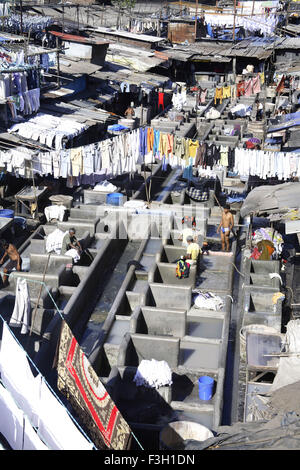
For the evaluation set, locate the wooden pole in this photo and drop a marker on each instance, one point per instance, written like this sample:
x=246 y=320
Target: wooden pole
x=233 y=29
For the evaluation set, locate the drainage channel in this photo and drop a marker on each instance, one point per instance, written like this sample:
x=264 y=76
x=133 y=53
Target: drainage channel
x=107 y=293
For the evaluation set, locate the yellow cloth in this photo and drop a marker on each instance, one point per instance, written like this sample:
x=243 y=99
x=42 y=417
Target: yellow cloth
x=193 y=145
x=277 y=296
x=163 y=145
x=227 y=91
x=193 y=249
x=262 y=78
x=76 y=161
x=219 y=94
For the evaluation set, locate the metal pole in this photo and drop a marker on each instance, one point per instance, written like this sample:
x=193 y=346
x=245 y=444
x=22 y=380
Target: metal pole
x=77 y=18
x=21 y=8
x=196 y=20
x=58 y=68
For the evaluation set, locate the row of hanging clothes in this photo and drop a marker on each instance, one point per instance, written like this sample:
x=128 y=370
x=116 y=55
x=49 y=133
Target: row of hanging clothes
x=90 y=164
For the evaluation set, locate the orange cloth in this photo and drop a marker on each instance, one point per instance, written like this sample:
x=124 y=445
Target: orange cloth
x=150 y=139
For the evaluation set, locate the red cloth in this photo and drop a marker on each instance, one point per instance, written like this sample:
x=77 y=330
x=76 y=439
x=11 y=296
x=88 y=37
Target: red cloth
x=161 y=100
x=255 y=254
x=241 y=88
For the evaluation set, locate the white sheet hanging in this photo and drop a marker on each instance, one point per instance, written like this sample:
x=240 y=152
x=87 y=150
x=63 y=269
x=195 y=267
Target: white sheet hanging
x=22 y=308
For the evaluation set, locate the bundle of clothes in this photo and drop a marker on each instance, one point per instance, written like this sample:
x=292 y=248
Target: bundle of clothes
x=207 y=301
x=153 y=374
x=268 y=244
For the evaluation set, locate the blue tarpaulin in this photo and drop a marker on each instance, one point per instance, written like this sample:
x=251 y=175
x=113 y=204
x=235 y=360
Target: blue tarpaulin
x=284 y=125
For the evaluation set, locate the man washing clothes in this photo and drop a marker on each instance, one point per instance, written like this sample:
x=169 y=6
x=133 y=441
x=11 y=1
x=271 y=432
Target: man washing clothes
x=14 y=263
x=70 y=242
x=193 y=250
x=226 y=226
x=129 y=113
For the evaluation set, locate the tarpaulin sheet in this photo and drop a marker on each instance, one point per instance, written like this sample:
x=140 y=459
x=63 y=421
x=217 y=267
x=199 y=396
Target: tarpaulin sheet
x=284 y=125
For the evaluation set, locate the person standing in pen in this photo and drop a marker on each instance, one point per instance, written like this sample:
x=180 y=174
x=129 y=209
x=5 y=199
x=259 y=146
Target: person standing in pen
x=225 y=227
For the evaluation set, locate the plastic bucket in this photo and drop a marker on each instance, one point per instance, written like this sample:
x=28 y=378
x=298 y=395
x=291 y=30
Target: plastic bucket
x=206 y=385
x=255 y=328
x=174 y=434
x=21 y=222
x=114 y=199
x=7 y=213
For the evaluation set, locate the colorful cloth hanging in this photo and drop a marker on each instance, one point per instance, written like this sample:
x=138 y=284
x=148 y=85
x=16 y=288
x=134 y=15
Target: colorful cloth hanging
x=78 y=381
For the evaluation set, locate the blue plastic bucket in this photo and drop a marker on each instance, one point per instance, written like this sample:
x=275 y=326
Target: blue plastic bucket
x=114 y=199
x=21 y=221
x=8 y=213
x=206 y=385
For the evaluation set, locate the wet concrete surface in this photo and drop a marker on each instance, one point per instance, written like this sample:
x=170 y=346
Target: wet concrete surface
x=107 y=296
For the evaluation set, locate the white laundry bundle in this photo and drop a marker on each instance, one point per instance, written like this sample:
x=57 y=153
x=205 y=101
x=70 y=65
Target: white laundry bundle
x=74 y=254
x=54 y=241
x=153 y=374
x=105 y=186
x=55 y=212
x=208 y=301
x=22 y=308
x=212 y=113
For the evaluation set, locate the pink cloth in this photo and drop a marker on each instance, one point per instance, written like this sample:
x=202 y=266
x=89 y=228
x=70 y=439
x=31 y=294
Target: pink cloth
x=256 y=84
x=248 y=87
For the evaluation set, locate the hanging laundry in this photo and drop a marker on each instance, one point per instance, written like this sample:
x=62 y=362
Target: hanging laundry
x=218 y=95
x=76 y=161
x=22 y=309
x=226 y=91
x=87 y=395
x=161 y=101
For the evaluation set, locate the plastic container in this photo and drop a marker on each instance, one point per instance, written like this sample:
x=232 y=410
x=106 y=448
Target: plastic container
x=61 y=200
x=7 y=213
x=115 y=199
x=174 y=434
x=21 y=221
x=206 y=385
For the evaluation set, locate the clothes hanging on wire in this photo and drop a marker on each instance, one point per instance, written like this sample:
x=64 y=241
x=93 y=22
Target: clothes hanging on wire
x=22 y=308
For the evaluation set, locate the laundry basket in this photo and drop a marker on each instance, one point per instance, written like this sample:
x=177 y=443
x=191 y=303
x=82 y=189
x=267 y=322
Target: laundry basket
x=255 y=328
x=174 y=434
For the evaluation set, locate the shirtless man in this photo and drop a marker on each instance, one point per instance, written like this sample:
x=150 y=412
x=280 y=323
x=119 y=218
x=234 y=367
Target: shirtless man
x=15 y=260
x=226 y=226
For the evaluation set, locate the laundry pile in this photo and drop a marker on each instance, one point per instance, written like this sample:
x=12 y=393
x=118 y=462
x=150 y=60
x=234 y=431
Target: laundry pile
x=55 y=212
x=54 y=241
x=207 y=301
x=153 y=374
x=270 y=235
